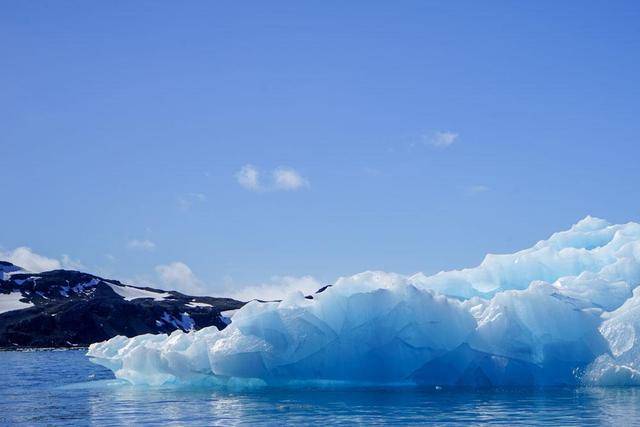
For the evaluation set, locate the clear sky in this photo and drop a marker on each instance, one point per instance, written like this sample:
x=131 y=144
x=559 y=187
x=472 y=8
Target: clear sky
x=217 y=144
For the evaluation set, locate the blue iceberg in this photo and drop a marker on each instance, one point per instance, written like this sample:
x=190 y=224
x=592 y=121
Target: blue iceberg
x=563 y=312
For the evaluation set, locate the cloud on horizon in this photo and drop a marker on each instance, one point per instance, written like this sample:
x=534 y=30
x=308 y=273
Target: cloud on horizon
x=178 y=276
x=26 y=258
x=276 y=289
x=174 y=276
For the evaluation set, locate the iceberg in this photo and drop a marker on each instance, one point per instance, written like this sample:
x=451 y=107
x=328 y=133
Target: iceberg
x=621 y=364
x=563 y=312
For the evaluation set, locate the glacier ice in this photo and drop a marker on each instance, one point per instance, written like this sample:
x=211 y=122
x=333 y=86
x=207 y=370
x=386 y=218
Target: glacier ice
x=563 y=312
x=621 y=364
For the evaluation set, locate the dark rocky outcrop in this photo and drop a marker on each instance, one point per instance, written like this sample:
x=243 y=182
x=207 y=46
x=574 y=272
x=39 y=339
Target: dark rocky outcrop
x=64 y=308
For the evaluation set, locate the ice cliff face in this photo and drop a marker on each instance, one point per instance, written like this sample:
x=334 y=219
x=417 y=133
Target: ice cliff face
x=563 y=312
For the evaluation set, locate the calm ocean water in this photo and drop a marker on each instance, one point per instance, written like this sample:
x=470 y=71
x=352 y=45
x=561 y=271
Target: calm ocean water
x=64 y=388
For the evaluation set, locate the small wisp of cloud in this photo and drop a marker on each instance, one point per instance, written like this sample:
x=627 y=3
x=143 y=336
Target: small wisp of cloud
x=69 y=263
x=249 y=177
x=282 y=179
x=473 y=190
x=141 y=244
x=288 y=179
x=186 y=202
x=440 y=139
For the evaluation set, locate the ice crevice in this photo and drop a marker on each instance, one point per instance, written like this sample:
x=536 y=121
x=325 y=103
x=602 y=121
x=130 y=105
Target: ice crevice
x=564 y=312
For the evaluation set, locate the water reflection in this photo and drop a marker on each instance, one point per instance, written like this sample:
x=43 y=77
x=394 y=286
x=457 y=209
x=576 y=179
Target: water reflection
x=65 y=389
x=128 y=405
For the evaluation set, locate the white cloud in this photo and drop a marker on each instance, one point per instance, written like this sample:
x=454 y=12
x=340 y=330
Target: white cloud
x=177 y=276
x=249 y=177
x=25 y=257
x=441 y=139
x=143 y=245
x=71 y=264
x=288 y=179
x=282 y=179
x=278 y=288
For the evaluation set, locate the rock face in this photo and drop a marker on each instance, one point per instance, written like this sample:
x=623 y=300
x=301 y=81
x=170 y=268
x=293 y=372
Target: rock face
x=63 y=308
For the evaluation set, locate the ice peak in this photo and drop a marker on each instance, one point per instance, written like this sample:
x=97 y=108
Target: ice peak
x=590 y=223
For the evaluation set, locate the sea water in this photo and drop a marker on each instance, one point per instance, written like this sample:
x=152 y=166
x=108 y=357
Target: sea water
x=64 y=388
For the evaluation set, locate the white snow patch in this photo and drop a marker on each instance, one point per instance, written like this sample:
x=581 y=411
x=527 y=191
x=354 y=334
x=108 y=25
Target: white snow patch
x=199 y=304
x=130 y=293
x=11 y=302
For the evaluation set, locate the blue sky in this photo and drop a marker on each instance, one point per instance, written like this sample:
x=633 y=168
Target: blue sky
x=400 y=136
